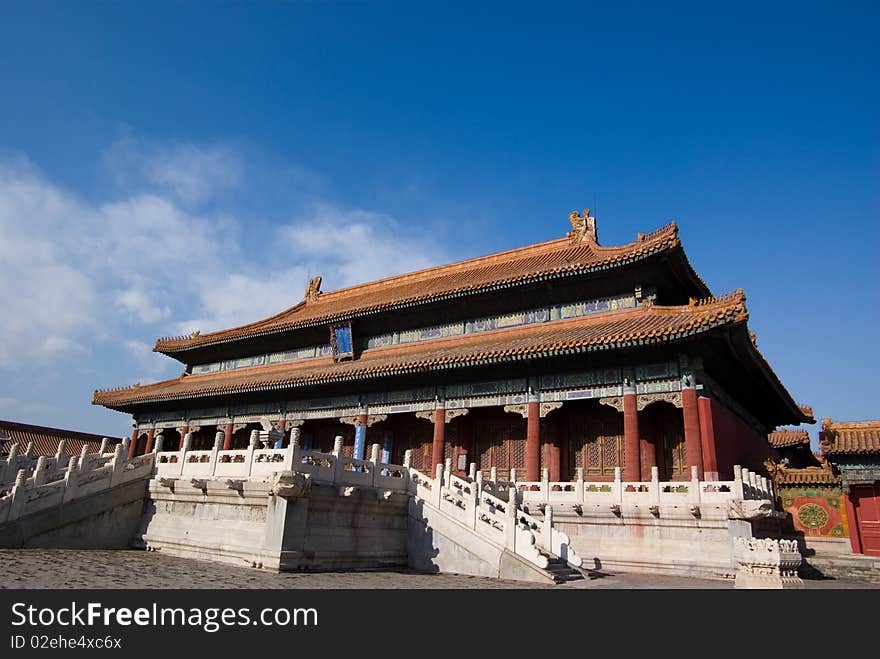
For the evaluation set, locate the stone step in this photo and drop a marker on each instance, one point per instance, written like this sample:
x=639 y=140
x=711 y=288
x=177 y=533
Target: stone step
x=561 y=571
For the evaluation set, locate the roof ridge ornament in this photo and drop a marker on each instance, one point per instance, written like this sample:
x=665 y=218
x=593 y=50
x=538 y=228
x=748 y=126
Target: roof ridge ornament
x=738 y=295
x=313 y=290
x=583 y=228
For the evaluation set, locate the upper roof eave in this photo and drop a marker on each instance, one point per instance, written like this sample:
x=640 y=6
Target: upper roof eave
x=593 y=258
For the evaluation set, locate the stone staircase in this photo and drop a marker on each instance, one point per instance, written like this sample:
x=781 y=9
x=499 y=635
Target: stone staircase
x=476 y=530
x=561 y=571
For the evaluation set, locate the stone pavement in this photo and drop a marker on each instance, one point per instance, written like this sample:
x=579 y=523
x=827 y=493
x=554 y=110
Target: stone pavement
x=69 y=568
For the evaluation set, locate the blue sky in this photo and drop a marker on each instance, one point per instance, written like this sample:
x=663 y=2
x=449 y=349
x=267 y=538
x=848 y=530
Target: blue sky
x=172 y=166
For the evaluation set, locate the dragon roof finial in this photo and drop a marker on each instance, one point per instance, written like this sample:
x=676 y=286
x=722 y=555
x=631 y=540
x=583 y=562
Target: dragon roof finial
x=583 y=227
x=313 y=290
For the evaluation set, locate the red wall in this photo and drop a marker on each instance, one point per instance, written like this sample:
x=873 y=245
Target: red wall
x=736 y=443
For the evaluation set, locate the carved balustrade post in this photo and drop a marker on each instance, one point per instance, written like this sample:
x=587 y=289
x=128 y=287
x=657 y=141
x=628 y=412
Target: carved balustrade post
x=738 y=490
x=437 y=491
x=338 y=467
x=695 y=488
x=219 y=436
x=40 y=471
x=70 y=479
x=61 y=454
x=293 y=459
x=19 y=495
x=547 y=529
x=510 y=522
x=617 y=487
x=579 y=485
x=655 y=485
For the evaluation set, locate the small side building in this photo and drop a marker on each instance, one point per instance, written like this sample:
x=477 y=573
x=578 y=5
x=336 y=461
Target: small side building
x=810 y=491
x=43 y=440
x=853 y=449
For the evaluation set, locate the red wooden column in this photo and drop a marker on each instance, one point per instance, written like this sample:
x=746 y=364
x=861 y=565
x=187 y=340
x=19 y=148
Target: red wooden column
x=632 y=460
x=438 y=448
x=533 y=442
x=151 y=433
x=693 y=444
x=855 y=539
x=133 y=445
x=707 y=434
x=183 y=430
x=227 y=439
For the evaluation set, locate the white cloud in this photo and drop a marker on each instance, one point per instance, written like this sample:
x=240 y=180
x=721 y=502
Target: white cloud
x=152 y=363
x=188 y=173
x=75 y=273
x=349 y=247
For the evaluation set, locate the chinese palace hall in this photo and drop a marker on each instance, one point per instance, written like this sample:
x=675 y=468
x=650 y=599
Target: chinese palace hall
x=566 y=355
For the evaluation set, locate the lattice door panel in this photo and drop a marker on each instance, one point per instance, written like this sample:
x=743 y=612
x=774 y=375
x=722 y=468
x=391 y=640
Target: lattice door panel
x=497 y=445
x=671 y=437
x=596 y=446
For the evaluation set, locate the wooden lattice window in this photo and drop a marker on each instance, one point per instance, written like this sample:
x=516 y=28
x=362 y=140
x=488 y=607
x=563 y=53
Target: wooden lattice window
x=501 y=445
x=671 y=436
x=596 y=445
x=664 y=424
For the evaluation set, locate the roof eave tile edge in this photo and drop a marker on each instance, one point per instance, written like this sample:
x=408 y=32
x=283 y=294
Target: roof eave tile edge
x=678 y=336
x=194 y=341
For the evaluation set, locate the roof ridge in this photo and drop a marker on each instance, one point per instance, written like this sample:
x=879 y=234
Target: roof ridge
x=17 y=425
x=487 y=259
x=494 y=257
x=555 y=246
x=734 y=296
x=868 y=423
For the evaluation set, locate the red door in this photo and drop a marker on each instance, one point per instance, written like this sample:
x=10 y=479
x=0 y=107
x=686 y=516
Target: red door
x=866 y=502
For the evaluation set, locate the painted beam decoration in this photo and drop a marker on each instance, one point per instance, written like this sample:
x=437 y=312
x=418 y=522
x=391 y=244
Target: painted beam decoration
x=341 y=343
x=459 y=328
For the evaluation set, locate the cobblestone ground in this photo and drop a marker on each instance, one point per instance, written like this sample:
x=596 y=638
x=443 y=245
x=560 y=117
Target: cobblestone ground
x=66 y=568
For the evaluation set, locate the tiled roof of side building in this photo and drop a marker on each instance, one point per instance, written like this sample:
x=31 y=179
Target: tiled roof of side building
x=550 y=259
x=808 y=476
x=862 y=437
x=786 y=437
x=642 y=325
x=45 y=439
